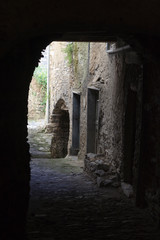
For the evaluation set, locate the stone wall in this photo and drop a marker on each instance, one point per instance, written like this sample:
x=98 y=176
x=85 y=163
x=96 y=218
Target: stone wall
x=93 y=68
x=118 y=81
x=60 y=78
x=106 y=74
x=36 y=106
x=60 y=128
x=60 y=75
x=37 y=93
x=66 y=78
x=81 y=79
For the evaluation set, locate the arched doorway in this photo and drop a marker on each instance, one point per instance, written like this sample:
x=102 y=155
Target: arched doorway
x=60 y=120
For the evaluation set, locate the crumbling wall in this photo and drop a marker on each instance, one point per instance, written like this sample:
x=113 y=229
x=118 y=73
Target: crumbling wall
x=60 y=125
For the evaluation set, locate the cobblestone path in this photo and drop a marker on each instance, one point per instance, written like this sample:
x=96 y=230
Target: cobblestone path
x=66 y=205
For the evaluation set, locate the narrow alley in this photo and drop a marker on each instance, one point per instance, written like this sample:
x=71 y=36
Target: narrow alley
x=66 y=204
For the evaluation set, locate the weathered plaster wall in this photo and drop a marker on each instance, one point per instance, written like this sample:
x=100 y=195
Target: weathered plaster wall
x=107 y=74
x=119 y=80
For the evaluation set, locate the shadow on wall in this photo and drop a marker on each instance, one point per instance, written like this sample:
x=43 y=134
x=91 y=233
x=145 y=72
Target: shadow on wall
x=60 y=121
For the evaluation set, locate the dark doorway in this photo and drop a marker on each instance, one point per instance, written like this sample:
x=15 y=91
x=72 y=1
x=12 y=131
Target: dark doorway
x=129 y=135
x=76 y=124
x=92 y=120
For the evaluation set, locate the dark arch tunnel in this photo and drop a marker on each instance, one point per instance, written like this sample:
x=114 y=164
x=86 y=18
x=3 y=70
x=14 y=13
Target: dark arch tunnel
x=20 y=51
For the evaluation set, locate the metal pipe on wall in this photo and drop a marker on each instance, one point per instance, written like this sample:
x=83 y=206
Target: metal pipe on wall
x=119 y=49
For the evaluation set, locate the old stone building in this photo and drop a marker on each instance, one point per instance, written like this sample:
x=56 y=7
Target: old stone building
x=99 y=109
x=26 y=28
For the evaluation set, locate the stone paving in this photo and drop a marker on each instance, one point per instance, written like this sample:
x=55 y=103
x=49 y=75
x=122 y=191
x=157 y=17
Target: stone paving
x=66 y=205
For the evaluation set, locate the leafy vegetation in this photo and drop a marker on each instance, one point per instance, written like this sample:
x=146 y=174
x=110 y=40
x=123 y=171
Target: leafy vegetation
x=40 y=74
x=69 y=53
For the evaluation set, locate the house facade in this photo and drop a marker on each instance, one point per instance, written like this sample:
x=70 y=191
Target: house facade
x=96 y=108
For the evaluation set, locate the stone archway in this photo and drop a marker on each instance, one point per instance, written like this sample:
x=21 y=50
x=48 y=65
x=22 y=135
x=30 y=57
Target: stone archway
x=24 y=33
x=60 y=121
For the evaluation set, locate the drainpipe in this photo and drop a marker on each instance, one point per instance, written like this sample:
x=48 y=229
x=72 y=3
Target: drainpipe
x=119 y=49
x=48 y=84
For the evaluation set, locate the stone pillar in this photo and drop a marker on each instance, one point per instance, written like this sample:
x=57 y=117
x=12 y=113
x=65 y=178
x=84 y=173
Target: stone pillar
x=60 y=124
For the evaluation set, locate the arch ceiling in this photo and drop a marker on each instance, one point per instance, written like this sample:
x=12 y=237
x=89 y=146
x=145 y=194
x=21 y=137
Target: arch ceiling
x=79 y=21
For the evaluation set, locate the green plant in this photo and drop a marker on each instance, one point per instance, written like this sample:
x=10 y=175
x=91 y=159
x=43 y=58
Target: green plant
x=40 y=75
x=69 y=53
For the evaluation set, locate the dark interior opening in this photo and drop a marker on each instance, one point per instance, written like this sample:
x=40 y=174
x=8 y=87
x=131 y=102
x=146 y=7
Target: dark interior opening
x=92 y=120
x=76 y=124
x=129 y=136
